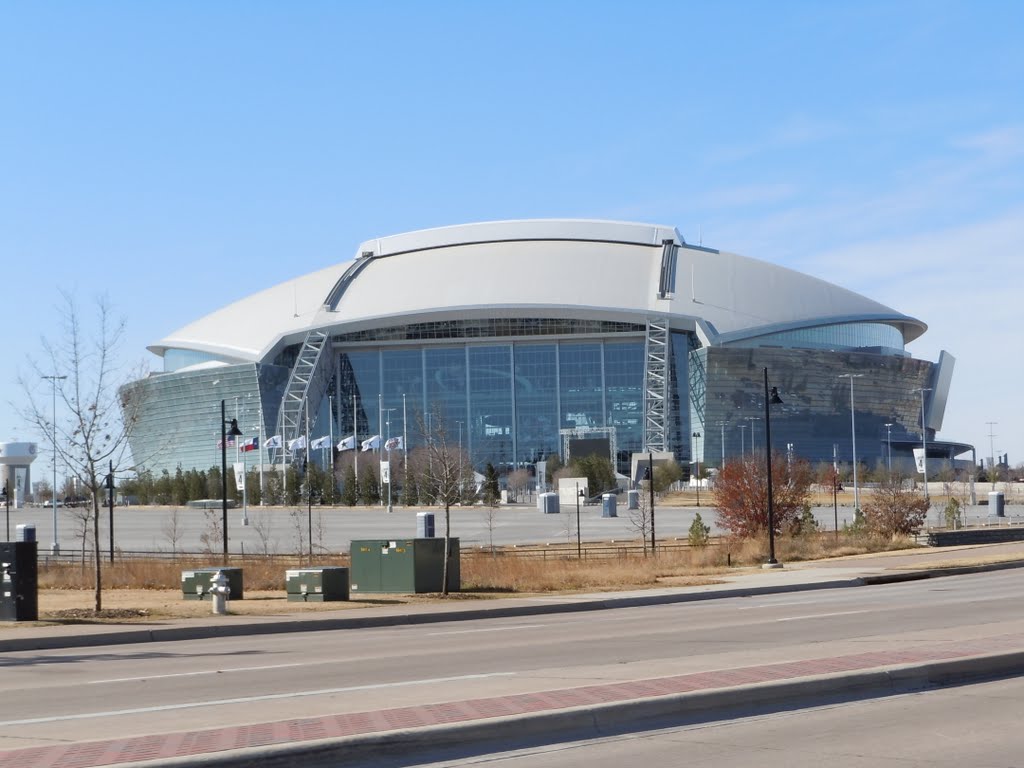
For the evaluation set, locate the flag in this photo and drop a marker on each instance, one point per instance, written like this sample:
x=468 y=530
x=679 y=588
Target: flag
x=394 y=444
x=348 y=444
x=252 y=444
x=297 y=444
x=320 y=442
x=273 y=442
x=371 y=444
x=231 y=442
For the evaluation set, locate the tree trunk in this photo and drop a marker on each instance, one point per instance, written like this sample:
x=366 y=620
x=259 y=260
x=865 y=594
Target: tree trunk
x=96 y=545
x=447 y=548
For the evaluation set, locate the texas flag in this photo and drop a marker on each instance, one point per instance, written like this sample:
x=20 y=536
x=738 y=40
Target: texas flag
x=252 y=444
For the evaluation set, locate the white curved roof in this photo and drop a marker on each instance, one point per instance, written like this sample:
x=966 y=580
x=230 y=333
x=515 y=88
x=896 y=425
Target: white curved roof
x=540 y=268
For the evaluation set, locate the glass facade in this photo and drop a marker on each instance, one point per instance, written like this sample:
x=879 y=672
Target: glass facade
x=841 y=336
x=506 y=402
x=727 y=402
x=179 y=422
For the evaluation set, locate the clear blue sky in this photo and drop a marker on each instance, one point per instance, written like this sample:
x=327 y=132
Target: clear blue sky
x=180 y=156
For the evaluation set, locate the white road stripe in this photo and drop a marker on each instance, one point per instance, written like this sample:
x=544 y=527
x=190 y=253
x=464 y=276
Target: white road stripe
x=244 y=700
x=489 y=629
x=820 y=615
x=191 y=674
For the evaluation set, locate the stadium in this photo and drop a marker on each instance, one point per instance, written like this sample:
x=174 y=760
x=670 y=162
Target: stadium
x=528 y=337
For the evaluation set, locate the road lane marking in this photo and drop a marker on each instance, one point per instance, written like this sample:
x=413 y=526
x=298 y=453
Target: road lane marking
x=192 y=674
x=247 y=699
x=820 y=615
x=488 y=629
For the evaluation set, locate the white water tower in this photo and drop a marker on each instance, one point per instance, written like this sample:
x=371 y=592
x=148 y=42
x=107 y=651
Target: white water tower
x=15 y=461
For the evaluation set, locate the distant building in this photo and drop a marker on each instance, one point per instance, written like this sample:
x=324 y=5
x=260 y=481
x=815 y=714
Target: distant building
x=526 y=334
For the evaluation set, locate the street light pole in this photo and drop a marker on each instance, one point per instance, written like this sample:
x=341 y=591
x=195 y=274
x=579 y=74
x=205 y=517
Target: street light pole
x=55 y=547
x=888 y=446
x=924 y=443
x=772 y=399
x=579 y=545
x=234 y=432
x=853 y=437
x=696 y=436
x=992 y=453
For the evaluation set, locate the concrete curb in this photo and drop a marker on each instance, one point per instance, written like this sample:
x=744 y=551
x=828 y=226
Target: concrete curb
x=282 y=625
x=608 y=719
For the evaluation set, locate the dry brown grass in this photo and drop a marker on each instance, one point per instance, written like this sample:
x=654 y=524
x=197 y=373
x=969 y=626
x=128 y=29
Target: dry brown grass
x=557 y=570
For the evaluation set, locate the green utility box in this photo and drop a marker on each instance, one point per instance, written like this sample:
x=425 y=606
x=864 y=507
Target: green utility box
x=195 y=584
x=317 y=585
x=406 y=566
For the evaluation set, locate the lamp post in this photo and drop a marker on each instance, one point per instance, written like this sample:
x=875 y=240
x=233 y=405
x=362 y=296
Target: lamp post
x=55 y=548
x=743 y=440
x=888 y=446
x=579 y=545
x=924 y=442
x=7 y=501
x=770 y=399
x=650 y=485
x=853 y=437
x=224 y=432
x=696 y=436
x=992 y=452
x=721 y=424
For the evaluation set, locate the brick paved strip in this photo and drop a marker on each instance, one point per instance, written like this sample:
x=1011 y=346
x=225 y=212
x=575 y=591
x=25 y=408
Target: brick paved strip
x=593 y=707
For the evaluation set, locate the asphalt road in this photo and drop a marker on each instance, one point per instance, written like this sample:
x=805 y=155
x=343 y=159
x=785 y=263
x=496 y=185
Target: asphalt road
x=976 y=726
x=280 y=530
x=49 y=697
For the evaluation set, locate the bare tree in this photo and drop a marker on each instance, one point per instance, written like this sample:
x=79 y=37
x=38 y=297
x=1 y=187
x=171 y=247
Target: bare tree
x=262 y=523
x=172 y=530
x=213 y=534
x=640 y=518
x=91 y=435
x=444 y=473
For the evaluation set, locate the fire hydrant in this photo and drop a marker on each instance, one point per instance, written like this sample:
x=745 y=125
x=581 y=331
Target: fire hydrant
x=219 y=592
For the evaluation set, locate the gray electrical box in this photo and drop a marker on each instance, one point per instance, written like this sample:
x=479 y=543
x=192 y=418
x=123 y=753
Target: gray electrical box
x=316 y=585
x=195 y=584
x=404 y=566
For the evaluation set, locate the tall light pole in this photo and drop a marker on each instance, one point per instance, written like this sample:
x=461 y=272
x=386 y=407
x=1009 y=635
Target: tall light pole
x=853 y=438
x=579 y=545
x=55 y=547
x=224 y=432
x=770 y=399
x=888 y=446
x=992 y=452
x=722 y=425
x=743 y=440
x=924 y=442
x=696 y=437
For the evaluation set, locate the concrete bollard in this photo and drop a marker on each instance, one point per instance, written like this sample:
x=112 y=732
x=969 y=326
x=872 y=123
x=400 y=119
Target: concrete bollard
x=219 y=592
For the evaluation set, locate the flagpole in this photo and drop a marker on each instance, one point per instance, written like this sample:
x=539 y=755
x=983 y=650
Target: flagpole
x=405 y=446
x=380 y=431
x=260 y=456
x=309 y=489
x=330 y=424
x=355 y=438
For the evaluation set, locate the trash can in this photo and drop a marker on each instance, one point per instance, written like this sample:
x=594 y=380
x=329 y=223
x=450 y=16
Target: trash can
x=548 y=503
x=424 y=525
x=632 y=499
x=995 y=504
x=19 y=583
x=609 y=501
x=317 y=585
x=195 y=584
